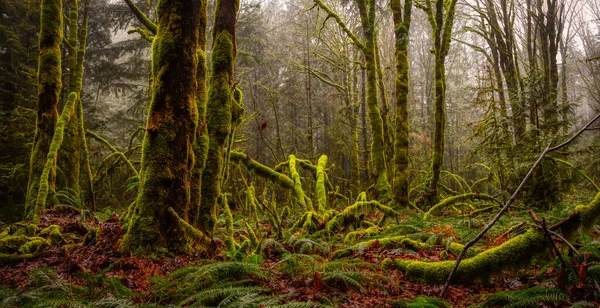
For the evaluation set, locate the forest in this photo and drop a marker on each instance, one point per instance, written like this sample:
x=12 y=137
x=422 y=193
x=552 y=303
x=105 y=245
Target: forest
x=299 y=153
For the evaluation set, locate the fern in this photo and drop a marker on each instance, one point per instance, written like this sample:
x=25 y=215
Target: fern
x=531 y=297
x=348 y=279
x=221 y=295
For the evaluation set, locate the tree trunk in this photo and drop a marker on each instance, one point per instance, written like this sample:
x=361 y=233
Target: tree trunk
x=49 y=86
x=201 y=141
x=401 y=29
x=167 y=155
x=219 y=109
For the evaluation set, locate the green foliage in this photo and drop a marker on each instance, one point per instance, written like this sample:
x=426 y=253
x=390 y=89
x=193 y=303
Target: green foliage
x=422 y=301
x=188 y=281
x=531 y=297
x=47 y=289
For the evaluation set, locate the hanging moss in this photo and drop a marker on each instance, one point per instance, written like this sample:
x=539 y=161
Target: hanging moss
x=49 y=86
x=478 y=268
x=321 y=191
x=167 y=155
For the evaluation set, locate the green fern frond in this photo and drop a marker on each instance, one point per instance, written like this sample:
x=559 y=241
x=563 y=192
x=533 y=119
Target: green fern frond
x=219 y=294
x=531 y=297
x=347 y=279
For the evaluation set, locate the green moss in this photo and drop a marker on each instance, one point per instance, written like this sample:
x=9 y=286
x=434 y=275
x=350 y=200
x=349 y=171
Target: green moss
x=480 y=267
x=32 y=229
x=49 y=86
x=348 y=215
x=53 y=233
x=45 y=184
x=321 y=191
x=229 y=235
x=262 y=170
x=298 y=191
x=34 y=245
x=590 y=213
x=459 y=198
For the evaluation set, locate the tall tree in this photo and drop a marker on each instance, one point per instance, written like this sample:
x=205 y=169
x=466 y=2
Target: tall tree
x=161 y=209
x=402 y=18
x=49 y=86
x=221 y=100
x=367 y=11
x=441 y=19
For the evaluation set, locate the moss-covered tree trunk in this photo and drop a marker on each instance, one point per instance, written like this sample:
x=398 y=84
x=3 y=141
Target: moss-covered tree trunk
x=49 y=86
x=73 y=155
x=441 y=19
x=402 y=20
x=201 y=141
x=69 y=157
x=367 y=16
x=167 y=155
x=220 y=93
x=367 y=9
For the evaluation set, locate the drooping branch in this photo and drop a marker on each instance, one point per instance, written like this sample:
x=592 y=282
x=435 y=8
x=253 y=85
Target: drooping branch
x=340 y=22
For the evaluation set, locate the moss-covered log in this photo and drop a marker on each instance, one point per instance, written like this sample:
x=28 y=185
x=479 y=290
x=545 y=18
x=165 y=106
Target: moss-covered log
x=45 y=186
x=220 y=96
x=49 y=86
x=478 y=268
x=402 y=20
x=167 y=154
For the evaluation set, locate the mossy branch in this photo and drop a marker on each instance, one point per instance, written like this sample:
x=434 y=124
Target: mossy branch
x=585 y=176
x=57 y=139
x=459 y=198
x=116 y=152
x=141 y=17
x=336 y=17
x=262 y=170
x=147 y=35
x=349 y=212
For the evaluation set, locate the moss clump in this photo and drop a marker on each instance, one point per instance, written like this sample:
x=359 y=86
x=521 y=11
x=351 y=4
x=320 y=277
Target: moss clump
x=588 y=214
x=321 y=191
x=298 y=191
x=53 y=233
x=478 y=268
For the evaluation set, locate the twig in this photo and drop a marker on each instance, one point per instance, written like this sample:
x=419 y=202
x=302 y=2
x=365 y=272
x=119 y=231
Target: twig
x=510 y=201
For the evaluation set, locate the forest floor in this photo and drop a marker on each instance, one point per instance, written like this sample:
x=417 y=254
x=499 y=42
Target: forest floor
x=86 y=273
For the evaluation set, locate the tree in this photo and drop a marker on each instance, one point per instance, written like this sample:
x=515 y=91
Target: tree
x=49 y=86
x=367 y=10
x=402 y=18
x=441 y=20
x=222 y=99
x=160 y=214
